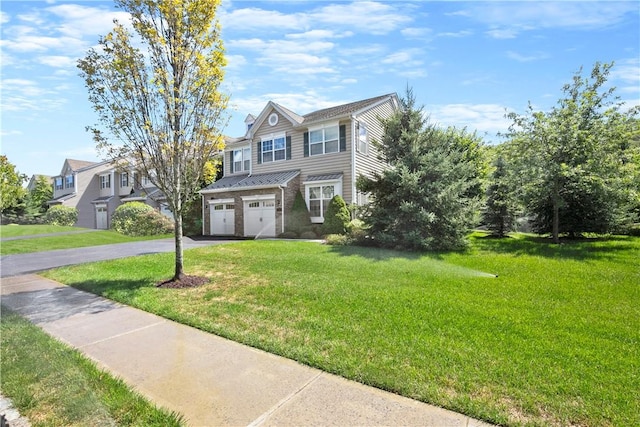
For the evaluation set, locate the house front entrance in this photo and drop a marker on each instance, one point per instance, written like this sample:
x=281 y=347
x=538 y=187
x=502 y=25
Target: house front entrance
x=222 y=218
x=259 y=216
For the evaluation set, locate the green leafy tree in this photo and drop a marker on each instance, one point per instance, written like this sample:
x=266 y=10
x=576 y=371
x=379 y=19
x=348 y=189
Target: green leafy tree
x=159 y=96
x=429 y=196
x=12 y=193
x=337 y=217
x=573 y=179
x=39 y=196
x=500 y=212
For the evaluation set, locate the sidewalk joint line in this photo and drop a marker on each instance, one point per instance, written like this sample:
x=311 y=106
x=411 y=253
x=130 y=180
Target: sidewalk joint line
x=123 y=334
x=264 y=417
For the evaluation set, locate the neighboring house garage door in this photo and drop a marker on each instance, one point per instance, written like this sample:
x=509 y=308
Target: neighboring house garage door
x=222 y=218
x=259 y=216
x=101 y=217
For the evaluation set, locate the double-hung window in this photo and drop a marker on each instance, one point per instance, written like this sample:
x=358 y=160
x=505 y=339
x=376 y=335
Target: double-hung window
x=319 y=198
x=105 y=181
x=363 y=138
x=324 y=140
x=124 y=179
x=242 y=160
x=68 y=181
x=274 y=149
x=58 y=183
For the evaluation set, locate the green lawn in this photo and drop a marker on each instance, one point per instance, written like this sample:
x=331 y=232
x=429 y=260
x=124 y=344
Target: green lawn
x=554 y=340
x=69 y=241
x=14 y=230
x=53 y=385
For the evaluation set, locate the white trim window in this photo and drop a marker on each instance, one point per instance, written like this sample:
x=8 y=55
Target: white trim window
x=318 y=195
x=324 y=140
x=242 y=159
x=363 y=139
x=59 y=183
x=124 y=179
x=274 y=149
x=68 y=181
x=105 y=181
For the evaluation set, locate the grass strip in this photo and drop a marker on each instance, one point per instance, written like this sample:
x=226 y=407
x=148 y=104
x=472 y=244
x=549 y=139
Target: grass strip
x=69 y=241
x=15 y=230
x=54 y=385
x=554 y=340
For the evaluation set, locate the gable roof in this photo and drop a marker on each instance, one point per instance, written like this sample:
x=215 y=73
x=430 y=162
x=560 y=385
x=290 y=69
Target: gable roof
x=76 y=165
x=345 y=109
x=336 y=112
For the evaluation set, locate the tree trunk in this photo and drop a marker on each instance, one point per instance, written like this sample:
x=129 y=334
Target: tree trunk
x=556 y=221
x=179 y=272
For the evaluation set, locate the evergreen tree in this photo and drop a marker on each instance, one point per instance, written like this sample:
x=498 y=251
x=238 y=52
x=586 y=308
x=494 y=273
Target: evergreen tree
x=500 y=211
x=298 y=220
x=428 y=197
x=39 y=196
x=337 y=217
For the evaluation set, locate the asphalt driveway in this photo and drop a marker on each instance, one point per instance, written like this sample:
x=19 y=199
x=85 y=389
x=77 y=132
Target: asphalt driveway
x=18 y=264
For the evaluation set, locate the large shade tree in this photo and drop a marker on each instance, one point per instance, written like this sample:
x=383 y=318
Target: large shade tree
x=428 y=198
x=570 y=160
x=12 y=193
x=157 y=94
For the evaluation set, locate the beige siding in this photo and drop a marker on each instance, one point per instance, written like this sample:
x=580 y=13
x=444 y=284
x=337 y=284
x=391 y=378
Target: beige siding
x=312 y=165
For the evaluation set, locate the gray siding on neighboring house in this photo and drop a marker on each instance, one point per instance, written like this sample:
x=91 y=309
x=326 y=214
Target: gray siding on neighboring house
x=88 y=190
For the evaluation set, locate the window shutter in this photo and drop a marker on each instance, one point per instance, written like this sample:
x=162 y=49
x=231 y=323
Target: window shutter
x=231 y=161
x=289 y=148
x=259 y=152
x=343 y=138
x=306 y=144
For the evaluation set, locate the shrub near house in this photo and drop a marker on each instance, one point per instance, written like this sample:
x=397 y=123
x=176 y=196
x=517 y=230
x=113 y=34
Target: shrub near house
x=140 y=219
x=61 y=215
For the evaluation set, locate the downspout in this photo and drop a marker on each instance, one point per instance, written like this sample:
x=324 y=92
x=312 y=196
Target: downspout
x=282 y=210
x=203 y=212
x=353 y=160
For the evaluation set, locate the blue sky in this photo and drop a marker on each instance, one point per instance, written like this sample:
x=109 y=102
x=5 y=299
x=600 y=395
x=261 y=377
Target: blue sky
x=467 y=62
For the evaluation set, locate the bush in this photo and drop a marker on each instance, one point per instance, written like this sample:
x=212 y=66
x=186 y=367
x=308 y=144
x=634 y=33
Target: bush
x=337 y=239
x=61 y=215
x=337 y=217
x=298 y=220
x=308 y=235
x=288 y=235
x=140 y=219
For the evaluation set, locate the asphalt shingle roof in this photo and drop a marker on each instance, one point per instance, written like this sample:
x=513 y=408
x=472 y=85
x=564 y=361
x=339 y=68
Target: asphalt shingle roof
x=342 y=110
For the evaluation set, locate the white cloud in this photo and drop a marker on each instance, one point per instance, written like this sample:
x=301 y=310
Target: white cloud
x=527 y=58
x=4 y=17
x=456 y=34
x=485 y=118
x=250 y=19
x=364 y=16
x=81 y=21
x=57 y=61
x=416 y=32
x=502 y=33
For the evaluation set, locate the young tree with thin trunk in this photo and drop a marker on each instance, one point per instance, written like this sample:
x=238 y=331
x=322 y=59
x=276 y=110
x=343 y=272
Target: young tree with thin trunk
x=570 y=161
x=157 y=95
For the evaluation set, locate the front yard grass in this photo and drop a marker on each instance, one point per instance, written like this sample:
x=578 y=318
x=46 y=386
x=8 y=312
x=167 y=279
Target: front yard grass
x=53 y=385
x=554 y=340
x=15 y=230
x=68 y=241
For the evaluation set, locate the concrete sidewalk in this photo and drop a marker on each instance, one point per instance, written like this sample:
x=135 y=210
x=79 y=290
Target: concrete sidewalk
x=210 y=380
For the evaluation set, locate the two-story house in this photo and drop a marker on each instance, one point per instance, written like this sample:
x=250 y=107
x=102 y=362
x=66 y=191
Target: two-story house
x=319 y=154
x=96 y=189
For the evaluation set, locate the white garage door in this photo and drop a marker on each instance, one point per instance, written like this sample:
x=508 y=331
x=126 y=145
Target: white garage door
x=223 y=219
x=260 y=218
x=101 y=217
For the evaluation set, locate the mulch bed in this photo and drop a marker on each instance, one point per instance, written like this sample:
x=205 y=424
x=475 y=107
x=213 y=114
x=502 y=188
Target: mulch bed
x=184 y=282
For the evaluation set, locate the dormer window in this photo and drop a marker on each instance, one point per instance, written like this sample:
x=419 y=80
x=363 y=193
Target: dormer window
x=68 y=181
x=105 y=181
x=58 y=183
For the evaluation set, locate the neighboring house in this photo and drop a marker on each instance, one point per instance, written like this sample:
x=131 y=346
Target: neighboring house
x=282 y=153
x=34 y=178
x=96 y=189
